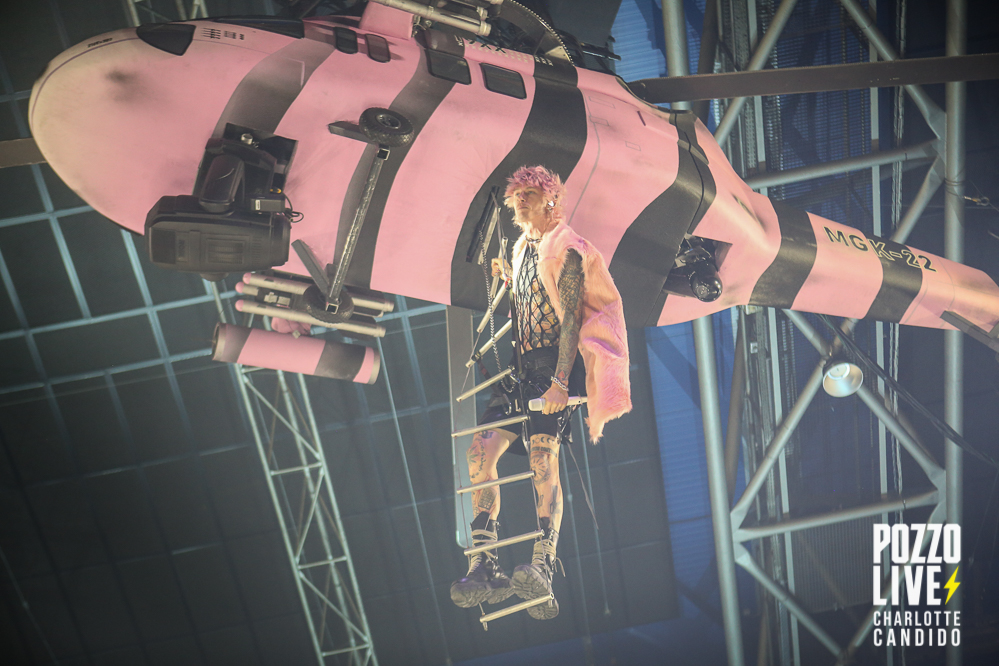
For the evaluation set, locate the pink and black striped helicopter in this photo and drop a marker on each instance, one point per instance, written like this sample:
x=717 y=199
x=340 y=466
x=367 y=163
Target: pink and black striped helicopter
x=391 y=139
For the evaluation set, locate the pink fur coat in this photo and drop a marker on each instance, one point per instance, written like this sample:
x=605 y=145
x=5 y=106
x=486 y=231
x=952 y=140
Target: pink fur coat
x=603 y=340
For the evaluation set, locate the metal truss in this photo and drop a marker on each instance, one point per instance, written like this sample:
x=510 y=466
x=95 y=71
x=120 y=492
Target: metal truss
x=284 y=428
x=48 y=383
x=293 y=459
x=731 y=536
x=294 y=465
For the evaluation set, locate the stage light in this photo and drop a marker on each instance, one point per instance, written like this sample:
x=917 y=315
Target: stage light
x=842 y=378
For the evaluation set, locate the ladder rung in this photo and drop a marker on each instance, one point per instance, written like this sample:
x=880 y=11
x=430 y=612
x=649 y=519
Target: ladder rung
x=536 y=404
x=492 y=308
x=359 y=327
x=495 y=482
x=300 y=468
x=513 y=420
x=279 y=284
x=486 y=384
x=504 y=542
x=510 y=610
x=489 y=343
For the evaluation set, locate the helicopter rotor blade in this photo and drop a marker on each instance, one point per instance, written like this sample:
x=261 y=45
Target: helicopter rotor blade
x=822 y=78
x=19 y=152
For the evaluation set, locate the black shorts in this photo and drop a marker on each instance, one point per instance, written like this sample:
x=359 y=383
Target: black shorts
x=539 y=366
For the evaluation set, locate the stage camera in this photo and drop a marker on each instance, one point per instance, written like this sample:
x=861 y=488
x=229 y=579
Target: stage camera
x=236 y=220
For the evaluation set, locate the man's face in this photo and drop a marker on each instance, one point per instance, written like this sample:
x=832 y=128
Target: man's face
x=529 y=207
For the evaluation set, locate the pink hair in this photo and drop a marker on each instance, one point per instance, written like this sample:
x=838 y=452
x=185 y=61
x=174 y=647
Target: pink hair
x=548 y=182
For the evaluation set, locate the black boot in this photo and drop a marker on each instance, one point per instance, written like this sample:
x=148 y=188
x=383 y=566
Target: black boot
x=534 y=580
x=485 y=580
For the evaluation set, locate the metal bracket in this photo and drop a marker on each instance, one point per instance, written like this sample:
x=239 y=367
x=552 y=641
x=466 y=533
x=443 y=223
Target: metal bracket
x=348 y=130
x=331 y=288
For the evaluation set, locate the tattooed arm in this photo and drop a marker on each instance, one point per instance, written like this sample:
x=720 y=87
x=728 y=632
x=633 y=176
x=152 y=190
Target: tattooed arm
x=570 y=292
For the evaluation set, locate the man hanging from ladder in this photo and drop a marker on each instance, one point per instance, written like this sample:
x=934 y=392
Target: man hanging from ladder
x=564 y=302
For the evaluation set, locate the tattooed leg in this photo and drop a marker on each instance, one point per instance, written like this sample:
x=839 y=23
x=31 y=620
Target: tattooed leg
x=483 y=454
x=544 y=464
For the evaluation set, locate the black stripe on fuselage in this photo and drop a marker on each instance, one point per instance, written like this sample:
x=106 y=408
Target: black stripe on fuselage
x=264 y=95
x=783 y=279
x=417 y=101
x=899 y=286
x=648 y=249
x=553 y=136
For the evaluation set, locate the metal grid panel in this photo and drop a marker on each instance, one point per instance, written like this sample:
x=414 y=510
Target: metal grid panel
x=171 y=471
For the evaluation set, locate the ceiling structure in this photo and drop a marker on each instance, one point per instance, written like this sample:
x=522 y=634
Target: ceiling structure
x=137 y=522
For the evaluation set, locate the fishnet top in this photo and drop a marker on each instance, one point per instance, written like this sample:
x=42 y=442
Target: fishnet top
x=536 y=319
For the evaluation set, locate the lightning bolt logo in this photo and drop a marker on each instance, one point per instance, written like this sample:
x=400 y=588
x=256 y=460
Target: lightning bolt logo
x=952 y=585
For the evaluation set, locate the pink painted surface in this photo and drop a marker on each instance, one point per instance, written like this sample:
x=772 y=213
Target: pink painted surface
x=741 y=218
x=325 y=162
x=367 y=374
x=433 y=193
x=845 y=279
x=267 y=349
x=631 y=158
x=751 y=226
x=955 y=287
x=123 y=123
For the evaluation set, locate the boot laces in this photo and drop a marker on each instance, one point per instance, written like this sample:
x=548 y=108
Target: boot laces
x=486 y=557
x=544 y=556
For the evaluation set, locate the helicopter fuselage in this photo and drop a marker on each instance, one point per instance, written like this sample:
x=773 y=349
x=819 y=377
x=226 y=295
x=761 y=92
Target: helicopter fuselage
x=125 y=122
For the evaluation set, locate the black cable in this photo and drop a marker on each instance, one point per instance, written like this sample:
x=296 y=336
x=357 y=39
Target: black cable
x=292 y=214
x=942 y=427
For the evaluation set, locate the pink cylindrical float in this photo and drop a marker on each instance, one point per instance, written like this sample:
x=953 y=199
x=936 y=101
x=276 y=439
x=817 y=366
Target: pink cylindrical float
x=304 y=354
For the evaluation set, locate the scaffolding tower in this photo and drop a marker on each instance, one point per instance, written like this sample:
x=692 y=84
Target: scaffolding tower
x=764 y=336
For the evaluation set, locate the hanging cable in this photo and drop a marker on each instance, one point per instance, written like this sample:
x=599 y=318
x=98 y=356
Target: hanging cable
x=941 y=426
x=575 y=541
x=596 y=530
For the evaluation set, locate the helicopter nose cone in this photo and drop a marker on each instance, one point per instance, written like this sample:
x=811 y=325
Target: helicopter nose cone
x=124 y=117
x=96 y=112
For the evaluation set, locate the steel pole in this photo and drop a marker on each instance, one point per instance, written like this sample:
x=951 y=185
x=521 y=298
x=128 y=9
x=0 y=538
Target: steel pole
x=785 y=597
x=706 y=57
x=931 y=112
x=756 y=63
x=781 y=437
x=873 y=400
x=877 y=158
x=707 y=375
x=736 y=400
x=931 y=183
x=675 y=33
x=957 y=20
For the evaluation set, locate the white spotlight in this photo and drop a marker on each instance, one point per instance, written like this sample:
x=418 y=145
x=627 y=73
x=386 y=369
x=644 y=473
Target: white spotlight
x=842 y=379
